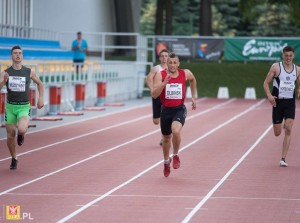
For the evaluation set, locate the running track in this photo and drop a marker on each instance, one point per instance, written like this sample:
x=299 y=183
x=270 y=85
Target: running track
x=109 y=169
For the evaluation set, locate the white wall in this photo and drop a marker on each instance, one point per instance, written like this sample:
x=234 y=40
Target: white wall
x=74 y=15
x=69 y=16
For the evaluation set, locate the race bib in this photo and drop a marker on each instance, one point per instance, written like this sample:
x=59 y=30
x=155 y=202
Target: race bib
x=173 y=91
x=286 y=89
x=17 y=83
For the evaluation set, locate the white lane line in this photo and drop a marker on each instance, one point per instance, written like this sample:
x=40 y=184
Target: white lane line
x=81 y=136
x=77 y=163
x=95 y=117
x=213 y=190
x=97 y=195
x=158 y=196
x=110 y=127
x=78 y=211
x=259 y=198
x=94 y=156
x=85 y=119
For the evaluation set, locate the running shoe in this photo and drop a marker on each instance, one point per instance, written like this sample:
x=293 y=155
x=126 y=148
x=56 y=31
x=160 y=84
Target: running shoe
x=176 y=162
x=20 y=140
x=167 y=168
x=282 y=163
x=14 y=164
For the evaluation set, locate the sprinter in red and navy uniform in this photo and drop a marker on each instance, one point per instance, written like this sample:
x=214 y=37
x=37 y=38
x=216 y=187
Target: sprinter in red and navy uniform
x=170 y=87
x=284 y=75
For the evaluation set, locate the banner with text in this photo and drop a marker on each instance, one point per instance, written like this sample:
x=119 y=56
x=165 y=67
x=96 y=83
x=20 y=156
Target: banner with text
x=191 y=48
x=258 y=49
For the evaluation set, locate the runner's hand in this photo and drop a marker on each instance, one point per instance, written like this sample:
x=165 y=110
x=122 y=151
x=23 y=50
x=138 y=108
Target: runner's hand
x=272 y=100
x=6 y=76
x=193 y=104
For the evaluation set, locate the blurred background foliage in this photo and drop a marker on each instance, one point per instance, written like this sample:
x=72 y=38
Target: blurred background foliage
x=221 y=17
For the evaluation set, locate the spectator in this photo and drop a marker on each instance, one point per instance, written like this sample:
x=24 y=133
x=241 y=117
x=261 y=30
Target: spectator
x=80 y=47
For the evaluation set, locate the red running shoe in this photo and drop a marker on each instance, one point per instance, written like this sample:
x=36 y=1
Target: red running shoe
x=20 y=140
x=176 y=162
x=167 y=168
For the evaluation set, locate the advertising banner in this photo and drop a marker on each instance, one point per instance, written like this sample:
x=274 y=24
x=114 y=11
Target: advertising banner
x=191 y=48
x=258 y=49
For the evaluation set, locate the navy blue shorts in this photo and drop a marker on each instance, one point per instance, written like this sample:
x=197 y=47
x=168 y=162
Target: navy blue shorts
x=168 y=115
x=156 y=107
x=285 y=108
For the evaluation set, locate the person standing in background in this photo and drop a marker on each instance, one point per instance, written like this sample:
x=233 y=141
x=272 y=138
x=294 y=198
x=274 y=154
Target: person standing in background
x=80 y=48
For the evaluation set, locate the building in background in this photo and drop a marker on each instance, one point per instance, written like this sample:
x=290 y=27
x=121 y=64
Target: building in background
x=67 y=17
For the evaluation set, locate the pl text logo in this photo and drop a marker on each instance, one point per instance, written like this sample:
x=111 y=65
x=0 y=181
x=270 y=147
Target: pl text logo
x=13 y=212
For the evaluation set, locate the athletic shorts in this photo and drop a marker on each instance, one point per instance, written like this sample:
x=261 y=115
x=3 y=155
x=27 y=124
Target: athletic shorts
x=285 y=108
x=14 y=112
x=156 y=107
x=168 y=115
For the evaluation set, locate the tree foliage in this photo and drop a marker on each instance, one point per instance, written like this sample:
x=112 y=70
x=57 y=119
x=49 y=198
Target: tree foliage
x=227 y=17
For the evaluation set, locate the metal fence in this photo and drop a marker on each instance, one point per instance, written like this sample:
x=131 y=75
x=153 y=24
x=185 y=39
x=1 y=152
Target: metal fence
x=124 y=80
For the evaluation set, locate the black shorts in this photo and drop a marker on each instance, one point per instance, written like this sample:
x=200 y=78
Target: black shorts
x=285 y=108
x=168 y=115
x=156 y=107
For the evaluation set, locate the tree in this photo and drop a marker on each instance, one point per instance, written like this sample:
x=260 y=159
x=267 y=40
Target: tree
x=270 y=17
x=148 y=18
x=186 y=17
x=230 y=15
x=163 y=17
x=205 y=28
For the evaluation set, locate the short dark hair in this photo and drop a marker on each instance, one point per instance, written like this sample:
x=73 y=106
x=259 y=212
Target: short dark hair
x=163 y=51
x=173 y=55
x=79 y=33
x=17 y=47
x=288 y=49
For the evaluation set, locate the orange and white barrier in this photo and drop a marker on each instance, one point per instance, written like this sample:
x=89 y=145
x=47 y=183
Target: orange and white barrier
x=2 y=105
x=101 y=93
x=32 y=100
x=79 y=96
x=55 y=99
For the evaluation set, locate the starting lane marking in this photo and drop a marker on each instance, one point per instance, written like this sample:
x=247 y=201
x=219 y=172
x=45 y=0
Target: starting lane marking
x=78 y=211
x=213 y=190
x=112 y=195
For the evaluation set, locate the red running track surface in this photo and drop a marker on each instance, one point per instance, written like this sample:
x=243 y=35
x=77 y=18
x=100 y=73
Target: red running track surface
x=109 y=169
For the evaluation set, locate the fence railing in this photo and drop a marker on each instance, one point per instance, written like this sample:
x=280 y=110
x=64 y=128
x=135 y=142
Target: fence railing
x=124 y=81
x=27 y=32
x=104 y=45
x=109 y=44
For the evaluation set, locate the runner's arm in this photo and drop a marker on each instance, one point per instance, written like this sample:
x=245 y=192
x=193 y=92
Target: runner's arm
x=271 y=74
x=150 y=77
x=3 y=79
x=40 y=87
x=298 y=81
x=158 y=84
x=193 y=84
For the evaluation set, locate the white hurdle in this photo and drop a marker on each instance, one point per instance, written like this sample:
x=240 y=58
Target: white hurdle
x=223 y=93
x=250 y=93
x=189 y=93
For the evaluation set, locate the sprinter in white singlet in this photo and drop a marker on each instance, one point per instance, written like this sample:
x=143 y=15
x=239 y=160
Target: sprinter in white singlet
x=284 y=75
